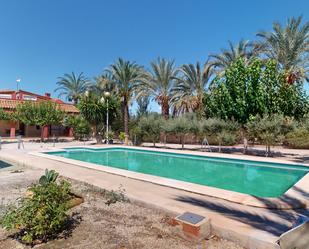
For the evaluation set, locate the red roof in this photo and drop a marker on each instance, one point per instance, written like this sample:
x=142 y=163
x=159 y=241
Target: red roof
x=10 y=105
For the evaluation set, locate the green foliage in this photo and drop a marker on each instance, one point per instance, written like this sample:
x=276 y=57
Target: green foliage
x=49 y=177
x=72 y=86
x=94 y=110
x=182 y=126
x=42 y=113
x=113 y=196
x=42 y=215
x=81 y=128
x=298 y=139
x=158 y=83
x=243 y=49
x=151 y=127
x=110 y=135
x=125 y=76
x=188 y=92
x=122 y=136
x=269 y=129
x=224 y=132
x=289 y=46
x=254 y=89
x=226 y=138
x=39 y=113
x=136 y=133
x=4 y=115
x=142 y=106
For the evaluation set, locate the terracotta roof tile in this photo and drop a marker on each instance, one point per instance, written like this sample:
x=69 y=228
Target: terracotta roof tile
x=10 y=105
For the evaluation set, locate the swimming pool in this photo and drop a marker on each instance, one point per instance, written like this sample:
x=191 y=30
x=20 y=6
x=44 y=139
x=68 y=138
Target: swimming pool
x=249 y=177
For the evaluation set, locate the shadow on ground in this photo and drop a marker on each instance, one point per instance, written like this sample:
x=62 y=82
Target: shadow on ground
x=255 y=218
x=4 y=164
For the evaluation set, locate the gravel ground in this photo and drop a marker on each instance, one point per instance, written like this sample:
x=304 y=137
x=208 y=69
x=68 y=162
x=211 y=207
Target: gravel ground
x=123 y=225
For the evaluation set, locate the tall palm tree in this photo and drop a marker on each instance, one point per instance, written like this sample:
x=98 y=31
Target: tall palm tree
x=159 y=84
x=289 y=46
x=72 y=86
x=243 y=49
x=190 y=88
x=125 y=75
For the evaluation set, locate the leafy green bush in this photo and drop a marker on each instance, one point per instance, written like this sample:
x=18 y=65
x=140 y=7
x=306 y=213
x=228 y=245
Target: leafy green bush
x=122 y=136
x=4 y=115
x=81 y=128
x=226 y=138
x=298 y=139
x=43 y=214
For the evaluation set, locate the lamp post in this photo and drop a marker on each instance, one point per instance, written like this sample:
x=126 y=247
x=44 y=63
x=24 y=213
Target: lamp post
x=17 y=83
x=107 y=95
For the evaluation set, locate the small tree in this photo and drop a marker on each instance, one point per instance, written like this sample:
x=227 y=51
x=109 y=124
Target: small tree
x=182 y=126
x=41 y=114
x=94 y=110
x=151 y=127
x=270 y=130
x=224 y=131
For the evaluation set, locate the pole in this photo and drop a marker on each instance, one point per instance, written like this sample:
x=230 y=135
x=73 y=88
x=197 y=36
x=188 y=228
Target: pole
x=107 y=137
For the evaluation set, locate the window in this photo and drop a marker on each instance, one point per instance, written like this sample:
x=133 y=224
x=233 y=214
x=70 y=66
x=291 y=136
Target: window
x=5 y=96
x=29 y=97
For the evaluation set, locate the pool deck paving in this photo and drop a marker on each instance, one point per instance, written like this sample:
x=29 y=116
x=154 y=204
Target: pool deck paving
x=248 y=226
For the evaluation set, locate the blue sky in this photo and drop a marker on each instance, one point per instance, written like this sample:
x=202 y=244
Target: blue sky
x=43 y=39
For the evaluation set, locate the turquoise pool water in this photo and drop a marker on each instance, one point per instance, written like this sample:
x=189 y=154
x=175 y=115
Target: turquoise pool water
x=250 y=177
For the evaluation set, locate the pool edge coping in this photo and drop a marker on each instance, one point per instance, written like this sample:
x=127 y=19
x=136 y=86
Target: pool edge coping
x=291 y=199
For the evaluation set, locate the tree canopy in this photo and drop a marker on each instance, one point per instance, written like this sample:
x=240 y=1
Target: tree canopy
x=255 y=89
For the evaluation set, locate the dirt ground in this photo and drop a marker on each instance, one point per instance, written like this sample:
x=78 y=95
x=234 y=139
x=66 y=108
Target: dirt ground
x=123 y=225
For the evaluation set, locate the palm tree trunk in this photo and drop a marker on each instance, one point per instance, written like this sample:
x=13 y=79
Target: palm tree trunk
x=200 y=107
x=165 y=108
x=126 y=120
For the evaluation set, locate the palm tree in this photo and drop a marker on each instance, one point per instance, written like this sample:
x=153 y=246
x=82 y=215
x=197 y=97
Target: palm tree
x=143 y=106
x=190 y=88
x=243 y=49
x=104 y=83
x=125 y=75
x=72 y=86
x=159 y=84
x=289 y=46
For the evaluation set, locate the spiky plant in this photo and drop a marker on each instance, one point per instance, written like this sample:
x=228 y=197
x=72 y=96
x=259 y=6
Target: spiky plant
x=49 y=177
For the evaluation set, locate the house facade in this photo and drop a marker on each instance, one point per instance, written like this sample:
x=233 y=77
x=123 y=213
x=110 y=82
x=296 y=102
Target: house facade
x=10 y=99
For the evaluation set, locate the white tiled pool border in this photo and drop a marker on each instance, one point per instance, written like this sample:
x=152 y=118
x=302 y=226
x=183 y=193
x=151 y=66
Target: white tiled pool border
x=283 y=202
